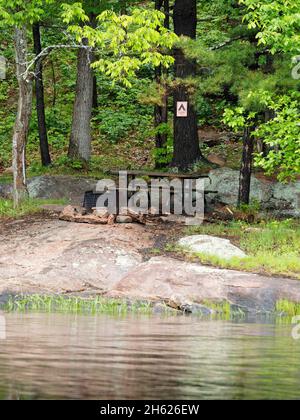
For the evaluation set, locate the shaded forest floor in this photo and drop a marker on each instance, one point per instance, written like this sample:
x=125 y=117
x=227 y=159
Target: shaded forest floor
x=222 y=148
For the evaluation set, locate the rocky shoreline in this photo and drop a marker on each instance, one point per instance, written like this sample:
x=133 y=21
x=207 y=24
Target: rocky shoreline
x=52 y=257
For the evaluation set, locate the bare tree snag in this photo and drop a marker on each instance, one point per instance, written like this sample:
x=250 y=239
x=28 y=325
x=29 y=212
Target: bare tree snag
x=22 y=122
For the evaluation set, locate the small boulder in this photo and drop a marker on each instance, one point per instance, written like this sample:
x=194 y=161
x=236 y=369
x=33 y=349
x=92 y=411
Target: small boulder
x=161 y=309
x=71 y=214
x=91 y=219
x=211 y=245
x=111 y=219
x=8 y=171
x=153 y=211
x=216 y=159
x=101 y=212
x=68 y=214
x=253 y=230
x=124 y=219
x=6 y=191
x=124 y=211
x=197 y=309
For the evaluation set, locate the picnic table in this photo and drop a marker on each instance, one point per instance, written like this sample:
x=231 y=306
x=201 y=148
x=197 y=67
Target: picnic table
x=158 y=175
x=161 y=175
x=90 y=199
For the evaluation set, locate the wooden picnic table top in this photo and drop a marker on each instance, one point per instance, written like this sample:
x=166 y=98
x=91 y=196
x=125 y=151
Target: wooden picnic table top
x=161 y=174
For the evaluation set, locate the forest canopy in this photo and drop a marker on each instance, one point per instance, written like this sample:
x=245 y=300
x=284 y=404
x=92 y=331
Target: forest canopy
x=92 y=85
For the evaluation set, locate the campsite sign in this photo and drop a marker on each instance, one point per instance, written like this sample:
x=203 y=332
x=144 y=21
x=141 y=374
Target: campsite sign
x=182 y=109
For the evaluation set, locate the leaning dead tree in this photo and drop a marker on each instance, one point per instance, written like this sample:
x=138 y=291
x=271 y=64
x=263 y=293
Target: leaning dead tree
x=26 y=72
x=21 y=127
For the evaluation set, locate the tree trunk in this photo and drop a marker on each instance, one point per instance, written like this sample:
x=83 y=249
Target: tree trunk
x=246 y=167
x=80 y=141
x=95 y=92
x=21 y=127
x=40 y=98
x=93 y=20
x=161 y=111
x=186 y=141
x=268 y=68
x=161 y=117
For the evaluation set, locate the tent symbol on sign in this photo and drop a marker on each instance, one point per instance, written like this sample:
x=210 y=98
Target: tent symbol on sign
x=182 y=109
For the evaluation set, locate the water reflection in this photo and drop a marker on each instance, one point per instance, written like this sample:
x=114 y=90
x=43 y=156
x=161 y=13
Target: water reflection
x=98 y=357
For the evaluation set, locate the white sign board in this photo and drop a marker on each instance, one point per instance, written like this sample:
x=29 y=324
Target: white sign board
x=182 y=109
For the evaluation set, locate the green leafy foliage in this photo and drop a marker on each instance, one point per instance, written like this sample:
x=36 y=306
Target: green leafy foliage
x=126 y=43
x=282 y=135
x=235 y=74
x=21 y=12
x=163 y=155
x=120 y=112
x=277 y=21
x=238 y=118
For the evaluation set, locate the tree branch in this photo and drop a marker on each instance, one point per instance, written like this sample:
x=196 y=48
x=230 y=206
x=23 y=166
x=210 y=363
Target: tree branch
x=38 y=59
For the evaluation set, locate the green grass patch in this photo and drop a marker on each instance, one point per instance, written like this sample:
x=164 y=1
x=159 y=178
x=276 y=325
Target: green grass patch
x=27 y=207
x=222 y=308
x=6 y=179
x=106 y=306
x=78 y=305
x=272 y=247
x=288 y=308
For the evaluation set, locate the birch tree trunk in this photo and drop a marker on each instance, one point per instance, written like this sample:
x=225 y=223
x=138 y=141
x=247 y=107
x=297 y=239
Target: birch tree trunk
x=21 y=127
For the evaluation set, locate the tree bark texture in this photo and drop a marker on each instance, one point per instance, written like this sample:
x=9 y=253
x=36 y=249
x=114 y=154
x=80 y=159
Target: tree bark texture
x=80 y=141
x=21 y=128
x=161 y=111
x=40 y=99
x=186 y=141
x=246 y=167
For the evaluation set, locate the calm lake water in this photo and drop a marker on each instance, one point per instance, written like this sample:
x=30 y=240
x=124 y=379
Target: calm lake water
x=48 y=356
